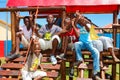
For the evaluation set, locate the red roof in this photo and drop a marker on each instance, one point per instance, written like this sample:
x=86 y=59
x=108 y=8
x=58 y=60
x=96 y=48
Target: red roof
x=71 y=5
x=108 y=26
x=61 y=2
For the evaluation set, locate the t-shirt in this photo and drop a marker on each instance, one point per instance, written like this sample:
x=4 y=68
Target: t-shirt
x=27 y=33
x=30 y=60
x=71 y=34
x=43 y=30
x=84 y=34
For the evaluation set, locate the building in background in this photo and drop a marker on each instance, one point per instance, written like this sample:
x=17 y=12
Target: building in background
x=5 y=38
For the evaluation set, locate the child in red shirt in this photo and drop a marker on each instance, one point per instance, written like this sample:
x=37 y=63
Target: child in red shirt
x=68 y=38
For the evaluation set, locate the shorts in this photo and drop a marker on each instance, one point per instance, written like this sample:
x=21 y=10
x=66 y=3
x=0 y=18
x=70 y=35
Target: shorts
x=24 y=41
x=27 y=75
x=98 y=45
x=44 y=44
x=107 y=42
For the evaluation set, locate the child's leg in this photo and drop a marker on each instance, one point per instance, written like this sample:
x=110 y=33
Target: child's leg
x=63 y=44
x=111 y=50
x=12 y=57
x=38 y=78
x=25 y=75
x=17 y=44
x=66 y=44
x=37 y=75
x=63 y=49
x=108 y=45
x=16 y=54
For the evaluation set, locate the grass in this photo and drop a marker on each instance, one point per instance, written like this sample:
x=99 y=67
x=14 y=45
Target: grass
x=2 y=60
x=117 y=71
x=109 y=71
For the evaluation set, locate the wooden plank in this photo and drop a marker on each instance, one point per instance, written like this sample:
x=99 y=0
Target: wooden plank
x=84 y=79
x=16 y=73
x=86 y=52
x=8 y=78
x=88 y=79
x=50 y=66
x=12 y=66
x=47 y=60
x=52 y=74
x=109 y=61
x=33 y=9
x=115 y=14
x=105 y=52
x=9 y=73
x=88 y=60
x=20 y=59
x=19 y=66
x=85 y=66
x=13 y=27
x=89 y=66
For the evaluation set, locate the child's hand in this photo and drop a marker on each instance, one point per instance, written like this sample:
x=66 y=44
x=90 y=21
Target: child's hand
x=42 y=69
x=77 y=12
x=64 y=31
x=19 y=33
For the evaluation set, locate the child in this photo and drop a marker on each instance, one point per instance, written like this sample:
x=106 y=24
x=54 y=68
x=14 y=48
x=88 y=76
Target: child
x=102 y=43
x=30 y=70
x=85 y=43
x=23 y=37
x=68 y=38
x=14 y=56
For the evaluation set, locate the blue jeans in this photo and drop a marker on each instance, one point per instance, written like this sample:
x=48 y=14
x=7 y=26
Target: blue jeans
x=95 y=54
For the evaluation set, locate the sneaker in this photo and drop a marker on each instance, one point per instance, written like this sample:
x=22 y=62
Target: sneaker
x=12 y=56
x=77 y=63
x=61 y=56
x=71 y=74
x=97 y=77
x=108 y=76
x=53 y=60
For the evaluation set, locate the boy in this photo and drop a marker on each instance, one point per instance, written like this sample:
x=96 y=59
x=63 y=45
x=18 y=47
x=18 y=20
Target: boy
x=23 y=36
x=49 y=37
x=85 y=43
x=68 y=38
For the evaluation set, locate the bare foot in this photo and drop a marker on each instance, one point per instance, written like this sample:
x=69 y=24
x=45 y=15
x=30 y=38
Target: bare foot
x=38 y=78
x=51 y=79
x=101 y=64
x=116 y=59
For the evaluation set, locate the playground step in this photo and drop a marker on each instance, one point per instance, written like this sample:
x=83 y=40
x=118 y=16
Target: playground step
x=19 y=66
x=89 y=66
x=15 y=73
x=84 y=79
x=88 y=79
x=8 y=78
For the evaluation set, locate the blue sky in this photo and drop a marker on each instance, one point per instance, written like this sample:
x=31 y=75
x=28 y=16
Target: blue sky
x=99 y=19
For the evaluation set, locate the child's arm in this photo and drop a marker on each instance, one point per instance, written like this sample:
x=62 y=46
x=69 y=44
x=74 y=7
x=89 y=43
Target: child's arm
x=74 y=23
x=41 y=67
x=40 y=62
x=63 y=24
